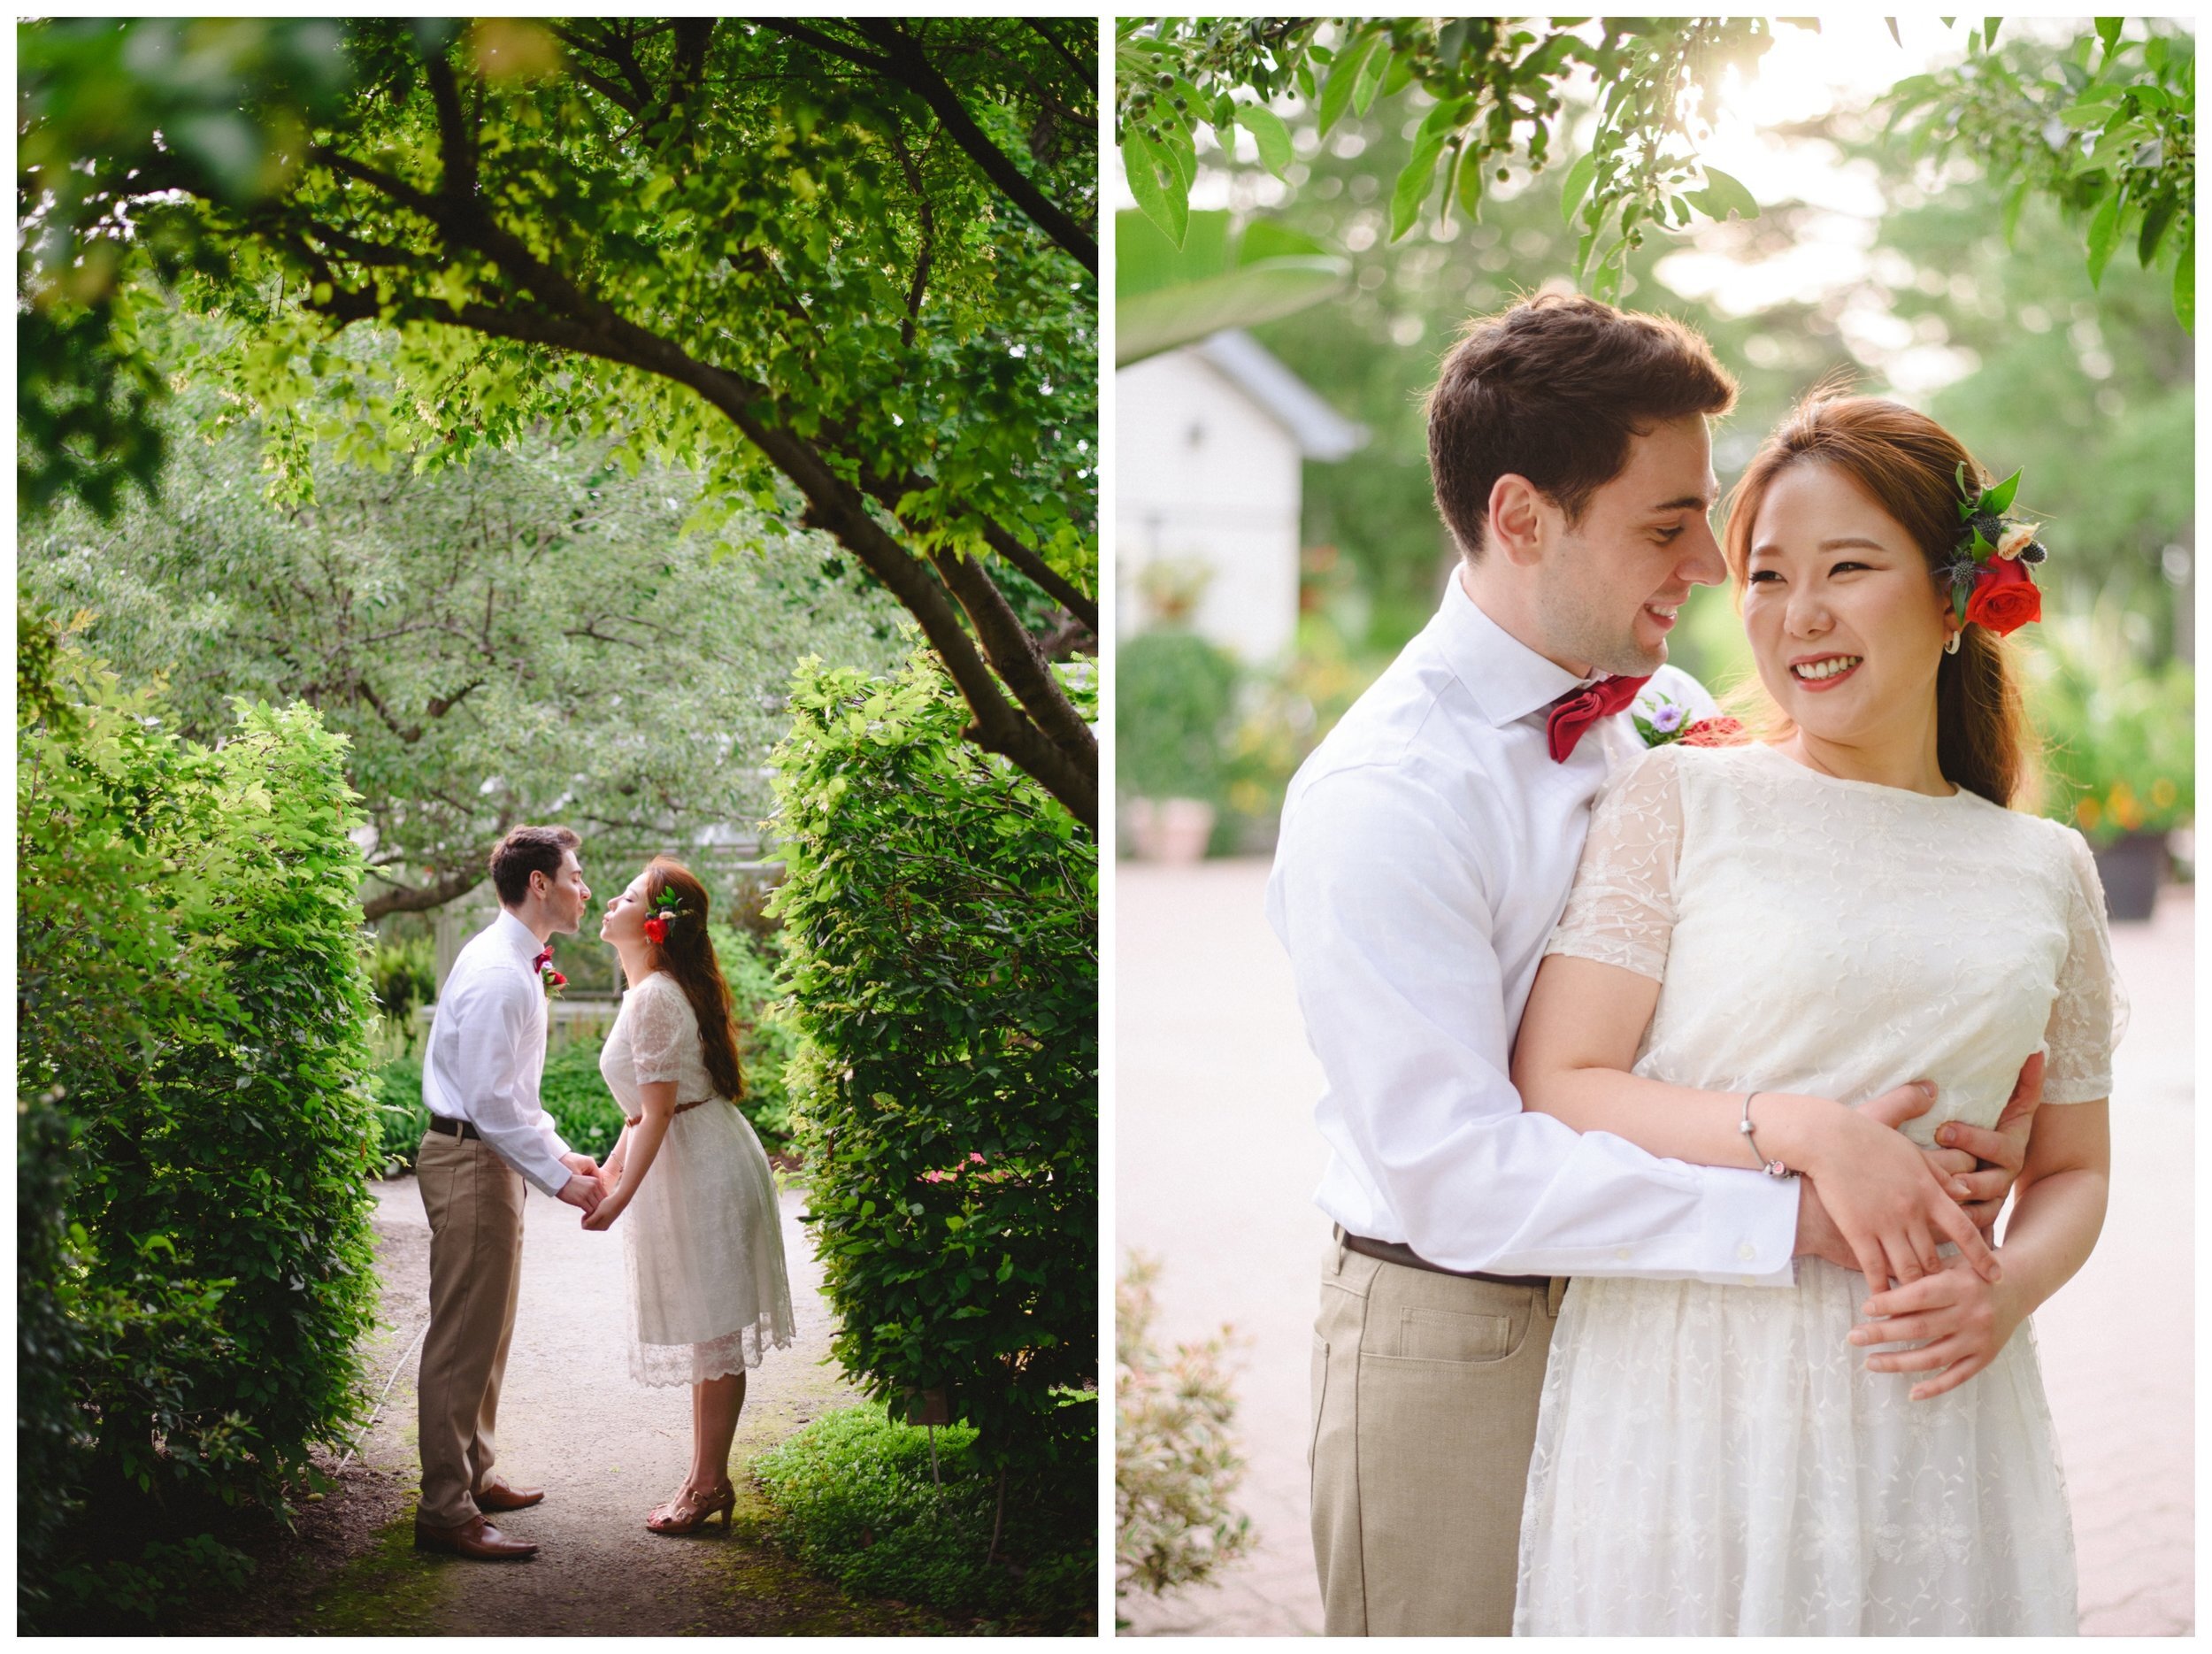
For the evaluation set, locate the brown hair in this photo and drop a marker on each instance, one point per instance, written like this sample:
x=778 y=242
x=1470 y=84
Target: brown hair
x=1908 y=464
x=1551 y=390
x=687 y=955
x=525 y=851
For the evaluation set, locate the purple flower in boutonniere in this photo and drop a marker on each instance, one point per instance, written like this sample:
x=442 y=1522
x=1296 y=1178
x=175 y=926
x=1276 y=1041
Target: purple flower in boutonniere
x=1664 y=725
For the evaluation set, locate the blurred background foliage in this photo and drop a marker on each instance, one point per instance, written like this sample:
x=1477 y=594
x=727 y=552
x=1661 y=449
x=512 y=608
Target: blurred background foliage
x=1966 y=293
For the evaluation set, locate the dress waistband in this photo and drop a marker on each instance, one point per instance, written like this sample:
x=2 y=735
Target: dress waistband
x=632 y=1120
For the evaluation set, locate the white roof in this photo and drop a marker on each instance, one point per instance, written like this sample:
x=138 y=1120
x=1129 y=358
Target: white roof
x=1320 y=430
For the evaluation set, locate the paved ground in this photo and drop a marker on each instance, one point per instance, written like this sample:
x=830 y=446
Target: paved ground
x=604 y=1449
x=1217 y=1162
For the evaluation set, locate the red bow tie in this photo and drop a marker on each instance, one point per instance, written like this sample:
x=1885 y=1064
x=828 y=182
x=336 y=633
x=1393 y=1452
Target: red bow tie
x=1574 y=713
x=543 y=959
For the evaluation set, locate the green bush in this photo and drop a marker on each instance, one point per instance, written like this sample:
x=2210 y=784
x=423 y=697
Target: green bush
x=766 y=1042
x=575 y=1094
x=854 y=1499
x=193 y=1025
x=2120 y=736
x=403 y=974
x=1175 y=1458
x=1173 y=693
x=941 y=916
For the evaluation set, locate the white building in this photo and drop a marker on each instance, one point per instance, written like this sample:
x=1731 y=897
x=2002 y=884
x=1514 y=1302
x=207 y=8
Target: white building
x=1210 y=441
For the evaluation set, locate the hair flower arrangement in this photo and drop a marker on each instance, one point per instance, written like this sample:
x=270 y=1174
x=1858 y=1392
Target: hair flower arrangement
x=1989 y=571
x=551 y=979
x=668 y=907
x=1670 y=722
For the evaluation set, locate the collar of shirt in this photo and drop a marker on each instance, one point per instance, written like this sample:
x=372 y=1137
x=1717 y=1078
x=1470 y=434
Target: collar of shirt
x=518 y=936
x=1507 y=680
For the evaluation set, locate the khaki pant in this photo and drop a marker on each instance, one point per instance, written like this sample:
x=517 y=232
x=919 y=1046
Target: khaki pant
x=1425 y=1395
x=475 y=1201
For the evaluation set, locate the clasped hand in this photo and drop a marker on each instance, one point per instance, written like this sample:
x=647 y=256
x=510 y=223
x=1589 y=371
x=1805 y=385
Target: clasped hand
x=607 y=1208
x=1963 y=1319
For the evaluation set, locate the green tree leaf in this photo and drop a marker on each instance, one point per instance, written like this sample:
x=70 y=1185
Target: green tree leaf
x=1412 y=187
x=1577 y=184
x=1336 y=91
x=2104 y=236
x=1269 y=133
x=1157 y=184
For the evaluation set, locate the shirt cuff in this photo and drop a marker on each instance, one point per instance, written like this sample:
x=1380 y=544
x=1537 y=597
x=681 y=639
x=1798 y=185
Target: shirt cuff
x=1750 y=1228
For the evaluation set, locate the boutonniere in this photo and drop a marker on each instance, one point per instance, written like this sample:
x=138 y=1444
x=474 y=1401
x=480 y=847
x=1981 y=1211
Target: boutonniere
x=667 y=909
x=553 y=980
x=1670 y=724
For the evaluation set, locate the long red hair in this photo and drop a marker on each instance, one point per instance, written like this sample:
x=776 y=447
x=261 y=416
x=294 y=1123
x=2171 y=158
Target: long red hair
x=1908 y=464
x=687 y=955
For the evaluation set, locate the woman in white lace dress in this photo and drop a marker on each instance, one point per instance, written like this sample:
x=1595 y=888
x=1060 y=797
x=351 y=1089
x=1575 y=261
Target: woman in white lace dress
x=1758 y=931
x=704 y=1240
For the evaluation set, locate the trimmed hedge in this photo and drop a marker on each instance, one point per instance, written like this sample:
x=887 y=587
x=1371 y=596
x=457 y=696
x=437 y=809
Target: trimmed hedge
x=940 y=915
x=194 y=1244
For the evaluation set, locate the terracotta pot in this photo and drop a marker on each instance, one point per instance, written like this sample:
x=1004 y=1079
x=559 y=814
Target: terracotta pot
x=1170 y=829
x=2132 y=866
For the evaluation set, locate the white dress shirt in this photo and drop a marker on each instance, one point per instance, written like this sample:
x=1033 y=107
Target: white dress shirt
x=486 y=1054
x=1427 y=848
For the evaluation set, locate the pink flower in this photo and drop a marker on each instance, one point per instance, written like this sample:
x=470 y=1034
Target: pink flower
x=2015 y=540
x=978 y=1160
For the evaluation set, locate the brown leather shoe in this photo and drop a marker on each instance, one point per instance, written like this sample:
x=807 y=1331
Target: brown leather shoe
x=476 y=1538
x=497 y=1495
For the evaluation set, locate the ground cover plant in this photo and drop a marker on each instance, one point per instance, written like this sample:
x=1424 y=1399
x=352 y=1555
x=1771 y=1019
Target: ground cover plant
x=856 y=1498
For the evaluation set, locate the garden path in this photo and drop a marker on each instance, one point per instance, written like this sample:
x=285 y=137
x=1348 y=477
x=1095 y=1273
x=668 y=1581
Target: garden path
x=1217 y=1163
x=605 y=1450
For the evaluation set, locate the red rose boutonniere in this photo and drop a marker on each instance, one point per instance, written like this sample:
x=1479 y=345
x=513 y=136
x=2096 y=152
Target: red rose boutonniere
x=553 y=980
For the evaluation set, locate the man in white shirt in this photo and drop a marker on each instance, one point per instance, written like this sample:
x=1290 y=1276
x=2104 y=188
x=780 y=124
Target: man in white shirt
x=1427 y=849
x=488 y=1132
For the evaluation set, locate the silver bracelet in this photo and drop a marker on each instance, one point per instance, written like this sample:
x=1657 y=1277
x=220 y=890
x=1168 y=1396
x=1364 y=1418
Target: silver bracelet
x=1773 y=1168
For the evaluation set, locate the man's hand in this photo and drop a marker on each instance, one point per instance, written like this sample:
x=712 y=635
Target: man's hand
x=2000 y=1151
x=582 y=1191
x=1817 y=1236
x=582 y=1165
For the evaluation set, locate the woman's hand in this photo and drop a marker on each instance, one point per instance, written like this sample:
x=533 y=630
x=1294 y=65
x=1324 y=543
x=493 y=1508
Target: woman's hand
x=1888 y=1201
x=604 y=1216
x=1963 y=1319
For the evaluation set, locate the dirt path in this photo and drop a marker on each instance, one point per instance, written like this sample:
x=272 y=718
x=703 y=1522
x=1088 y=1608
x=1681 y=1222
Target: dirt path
x=604 y=1449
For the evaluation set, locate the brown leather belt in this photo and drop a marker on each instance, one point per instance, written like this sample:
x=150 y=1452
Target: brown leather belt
x=1399 y=1252
x=460 y=1128
x=680 y=1108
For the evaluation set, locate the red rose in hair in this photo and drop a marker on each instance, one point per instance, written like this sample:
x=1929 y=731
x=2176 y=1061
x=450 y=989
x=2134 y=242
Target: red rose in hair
x=2004 y=599
x=657 y=931
x=1713 y=731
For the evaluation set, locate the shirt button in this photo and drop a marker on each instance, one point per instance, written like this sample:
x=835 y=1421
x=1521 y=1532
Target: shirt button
x=1747 y=1251
x=1621 y=1252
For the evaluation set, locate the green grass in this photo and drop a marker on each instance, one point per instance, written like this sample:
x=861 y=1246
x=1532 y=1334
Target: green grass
x=851 y=1497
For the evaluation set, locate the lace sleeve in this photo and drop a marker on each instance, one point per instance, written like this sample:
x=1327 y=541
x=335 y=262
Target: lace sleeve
x=2089 y=1012
x=1621 y=910
x=660 y=1022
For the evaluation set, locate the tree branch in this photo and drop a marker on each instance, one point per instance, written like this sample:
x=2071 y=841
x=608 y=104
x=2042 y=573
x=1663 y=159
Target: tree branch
x=1062 y=589
x=403 y=898
x=455 y=147
x=904 y=62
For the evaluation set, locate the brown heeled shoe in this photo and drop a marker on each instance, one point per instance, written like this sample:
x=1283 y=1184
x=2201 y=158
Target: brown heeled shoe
x=687 y=1512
